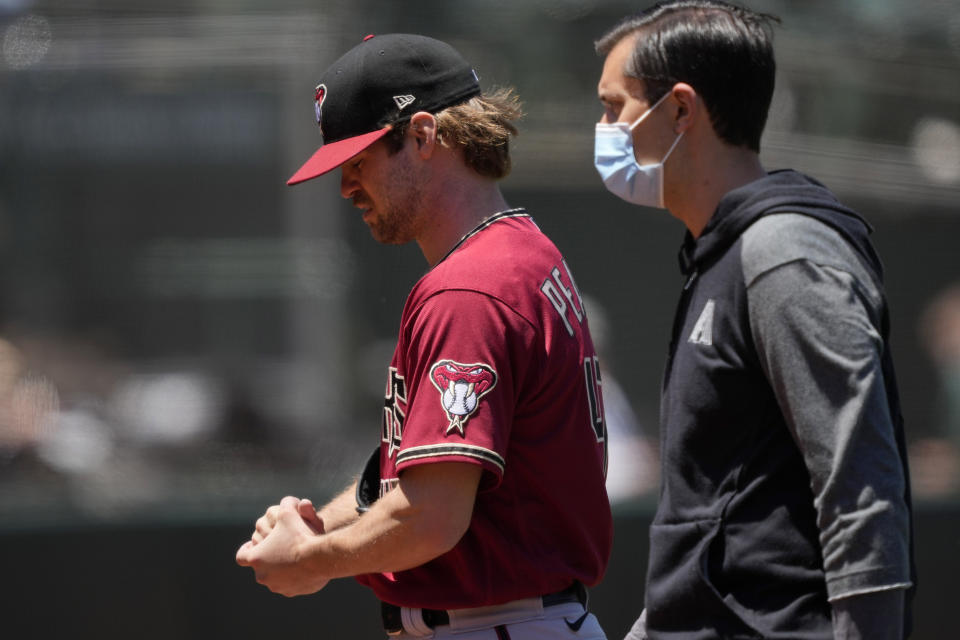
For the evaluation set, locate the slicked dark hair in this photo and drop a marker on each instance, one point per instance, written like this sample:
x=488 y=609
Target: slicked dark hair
x=725 y=52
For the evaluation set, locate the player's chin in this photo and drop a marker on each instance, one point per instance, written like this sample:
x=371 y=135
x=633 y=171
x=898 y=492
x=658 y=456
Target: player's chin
x=300 y=590
x=381 y=234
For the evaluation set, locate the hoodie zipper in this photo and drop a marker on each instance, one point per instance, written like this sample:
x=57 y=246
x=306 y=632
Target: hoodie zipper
x=682 y=305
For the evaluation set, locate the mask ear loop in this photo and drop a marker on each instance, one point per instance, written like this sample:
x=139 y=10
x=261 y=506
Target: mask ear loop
x=672 y=147
x=649 y=111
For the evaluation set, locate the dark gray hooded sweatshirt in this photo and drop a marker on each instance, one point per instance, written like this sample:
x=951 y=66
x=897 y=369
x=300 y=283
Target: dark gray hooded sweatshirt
x=785 y=481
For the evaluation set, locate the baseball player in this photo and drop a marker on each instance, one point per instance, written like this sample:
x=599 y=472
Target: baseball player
x=482 y=512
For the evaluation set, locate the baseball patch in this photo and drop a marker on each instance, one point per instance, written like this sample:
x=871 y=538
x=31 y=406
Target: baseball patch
x=461 y=387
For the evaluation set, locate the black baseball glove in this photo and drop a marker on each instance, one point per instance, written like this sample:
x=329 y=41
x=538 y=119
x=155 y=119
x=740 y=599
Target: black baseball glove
x=368 y=486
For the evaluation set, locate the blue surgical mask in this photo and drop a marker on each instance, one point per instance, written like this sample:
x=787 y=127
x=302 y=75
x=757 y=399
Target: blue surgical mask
x=617 y=165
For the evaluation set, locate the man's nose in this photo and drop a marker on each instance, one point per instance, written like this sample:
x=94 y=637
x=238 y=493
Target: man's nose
x=348 y=185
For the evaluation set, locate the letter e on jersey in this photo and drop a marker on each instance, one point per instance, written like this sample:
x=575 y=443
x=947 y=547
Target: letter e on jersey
x=562 y=297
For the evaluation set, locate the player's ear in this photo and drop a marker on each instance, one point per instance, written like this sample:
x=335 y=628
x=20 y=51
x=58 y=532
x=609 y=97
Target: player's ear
x=423 y=130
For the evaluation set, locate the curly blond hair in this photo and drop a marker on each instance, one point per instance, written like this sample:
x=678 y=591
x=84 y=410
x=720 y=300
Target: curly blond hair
x=480 y=128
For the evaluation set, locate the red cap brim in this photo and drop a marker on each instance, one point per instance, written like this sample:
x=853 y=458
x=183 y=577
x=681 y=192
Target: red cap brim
x=330 y=156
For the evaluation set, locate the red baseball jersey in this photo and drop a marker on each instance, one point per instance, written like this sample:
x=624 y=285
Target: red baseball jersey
x=494 y=366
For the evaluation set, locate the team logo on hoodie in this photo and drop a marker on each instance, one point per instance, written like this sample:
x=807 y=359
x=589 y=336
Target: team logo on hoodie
x=703 y=331
x=461 y=387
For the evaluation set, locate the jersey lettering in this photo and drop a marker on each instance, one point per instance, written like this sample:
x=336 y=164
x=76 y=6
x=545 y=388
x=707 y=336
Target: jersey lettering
x=591 y=372
x=598 y=422
x=578 y=306
x=393 y=414
x=388 y=484
x=562 y=297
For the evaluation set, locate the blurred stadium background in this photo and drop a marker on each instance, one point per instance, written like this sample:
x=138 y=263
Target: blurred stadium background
x=184 y=340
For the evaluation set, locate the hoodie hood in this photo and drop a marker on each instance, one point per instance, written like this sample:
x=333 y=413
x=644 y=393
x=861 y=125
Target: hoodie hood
x=785 y=191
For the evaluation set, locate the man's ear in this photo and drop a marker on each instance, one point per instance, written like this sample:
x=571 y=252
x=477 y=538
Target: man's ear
x=689 y=107
x=423 y=130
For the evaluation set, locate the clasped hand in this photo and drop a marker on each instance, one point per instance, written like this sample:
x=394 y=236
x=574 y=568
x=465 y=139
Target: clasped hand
x=277 y=550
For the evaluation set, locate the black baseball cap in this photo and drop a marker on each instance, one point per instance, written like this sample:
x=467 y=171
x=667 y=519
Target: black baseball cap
x=380 y=82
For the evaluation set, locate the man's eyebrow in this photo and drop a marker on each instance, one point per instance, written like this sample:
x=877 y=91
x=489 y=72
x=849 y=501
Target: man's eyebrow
x=606 y=95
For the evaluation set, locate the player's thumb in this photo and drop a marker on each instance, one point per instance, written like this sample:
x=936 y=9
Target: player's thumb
x=243 y=554
x=309 y=515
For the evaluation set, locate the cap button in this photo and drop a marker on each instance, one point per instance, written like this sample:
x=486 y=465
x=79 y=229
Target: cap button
x=368 y=37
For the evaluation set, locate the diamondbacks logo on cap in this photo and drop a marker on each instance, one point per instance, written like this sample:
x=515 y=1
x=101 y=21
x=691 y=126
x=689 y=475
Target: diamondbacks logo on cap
x=461 y=386
x=403 y=101
x=319 y=96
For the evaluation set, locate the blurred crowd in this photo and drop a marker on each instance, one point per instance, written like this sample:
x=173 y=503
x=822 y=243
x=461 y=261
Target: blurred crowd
x=83 y=431
x=935 y=459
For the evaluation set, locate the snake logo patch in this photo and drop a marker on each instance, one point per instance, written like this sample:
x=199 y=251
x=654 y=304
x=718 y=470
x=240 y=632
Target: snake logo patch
x=461 y=386
x=320 y=94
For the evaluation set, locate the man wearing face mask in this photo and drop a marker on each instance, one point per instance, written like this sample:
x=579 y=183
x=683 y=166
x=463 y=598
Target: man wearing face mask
x=784 y=509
